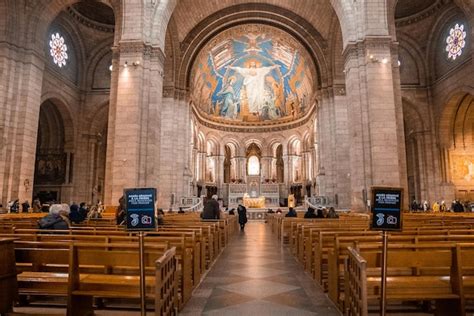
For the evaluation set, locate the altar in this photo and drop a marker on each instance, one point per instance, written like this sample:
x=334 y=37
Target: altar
x=254 y=193
x=253 y=202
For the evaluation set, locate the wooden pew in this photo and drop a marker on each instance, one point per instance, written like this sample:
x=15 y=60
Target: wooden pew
x=415 y=273
x=83 y=287
x=8 y=275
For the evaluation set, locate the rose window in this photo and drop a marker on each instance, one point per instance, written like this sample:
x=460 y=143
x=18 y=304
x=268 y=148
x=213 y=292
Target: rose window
x=58 y=50
x=456 y=41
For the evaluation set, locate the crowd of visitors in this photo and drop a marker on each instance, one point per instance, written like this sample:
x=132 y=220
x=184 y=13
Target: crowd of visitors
x=456 y=206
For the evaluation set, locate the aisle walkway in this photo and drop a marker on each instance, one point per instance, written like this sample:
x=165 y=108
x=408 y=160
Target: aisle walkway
x=256 y=276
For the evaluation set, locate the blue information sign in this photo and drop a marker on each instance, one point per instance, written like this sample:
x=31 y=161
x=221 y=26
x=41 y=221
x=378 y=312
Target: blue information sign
x=387 y=208
x=140 y=208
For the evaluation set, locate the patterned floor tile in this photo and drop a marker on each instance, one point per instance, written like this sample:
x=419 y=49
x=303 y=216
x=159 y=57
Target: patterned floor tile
x=259 y=288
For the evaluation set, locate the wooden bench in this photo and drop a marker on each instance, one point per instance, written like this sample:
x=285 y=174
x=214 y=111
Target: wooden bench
x=415 y=273
x=8 y=275
x=339 y=253
x=125 y=283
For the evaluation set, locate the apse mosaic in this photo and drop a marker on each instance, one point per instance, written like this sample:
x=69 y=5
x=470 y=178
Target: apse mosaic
x=253 y=73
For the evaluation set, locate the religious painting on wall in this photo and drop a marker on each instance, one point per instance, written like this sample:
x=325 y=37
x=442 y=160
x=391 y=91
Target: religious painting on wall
x=50 y=168
x=253 y=73
x=463 y=169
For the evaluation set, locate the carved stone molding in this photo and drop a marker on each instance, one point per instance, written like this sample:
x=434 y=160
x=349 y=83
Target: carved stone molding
x=420 y=16
x=139 y=47
x=90 y=23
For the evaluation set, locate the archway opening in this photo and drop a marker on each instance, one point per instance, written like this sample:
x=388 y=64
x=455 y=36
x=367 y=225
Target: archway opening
x=54 y=160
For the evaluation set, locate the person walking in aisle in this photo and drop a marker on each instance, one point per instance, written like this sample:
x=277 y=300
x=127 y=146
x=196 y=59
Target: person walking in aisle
x=242 y=216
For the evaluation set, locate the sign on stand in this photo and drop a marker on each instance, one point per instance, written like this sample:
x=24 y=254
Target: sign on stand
x=141 y=217
x=140 y=208
x=386 y=209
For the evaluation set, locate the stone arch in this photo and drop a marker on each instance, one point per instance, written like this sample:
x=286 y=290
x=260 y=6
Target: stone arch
x=448 y=116
x=160 y=19
x=413 y=49
x=97 y=55
x=64 y=109
x=345 y=13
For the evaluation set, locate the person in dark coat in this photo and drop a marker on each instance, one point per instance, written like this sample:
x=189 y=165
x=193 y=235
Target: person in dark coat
x=74 y=214
x=310 y=213
x=291 y=213
x=458 y=208
x=211 y=209
x=83 y=209
x=25 y=206
x=242 y=216
x=320 y=213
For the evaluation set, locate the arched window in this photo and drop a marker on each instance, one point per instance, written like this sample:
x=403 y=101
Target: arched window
x=253 y=166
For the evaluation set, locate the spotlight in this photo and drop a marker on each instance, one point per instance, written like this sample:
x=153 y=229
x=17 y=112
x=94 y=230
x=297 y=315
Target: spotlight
x=136 y=63
x=399 y=63
x=111 y=67
x=125 y=65
x=384 y=61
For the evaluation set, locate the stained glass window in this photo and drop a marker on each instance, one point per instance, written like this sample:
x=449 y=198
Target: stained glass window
x=58 y=50
x=455 y=41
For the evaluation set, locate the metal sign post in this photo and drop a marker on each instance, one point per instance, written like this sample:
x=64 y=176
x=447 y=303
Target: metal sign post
x=141 y=217
x=386 y=209
x=383 y=293
x=142 y=273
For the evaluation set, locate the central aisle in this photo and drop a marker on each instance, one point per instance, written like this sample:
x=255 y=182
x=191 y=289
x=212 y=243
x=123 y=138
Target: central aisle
x=256 y=276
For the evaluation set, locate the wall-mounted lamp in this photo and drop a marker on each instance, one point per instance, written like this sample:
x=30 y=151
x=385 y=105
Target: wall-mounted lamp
x=136 y=63
x=111 y=67
x=125 y=65
x=374 y=59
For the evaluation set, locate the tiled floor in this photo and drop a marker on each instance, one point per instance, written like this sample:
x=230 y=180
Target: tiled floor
x=256 y=276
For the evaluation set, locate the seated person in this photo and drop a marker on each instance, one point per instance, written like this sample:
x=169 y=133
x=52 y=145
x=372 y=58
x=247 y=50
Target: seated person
x=160 y=218
x=57 y=218
x=332 y=213
x=211 y=209
x=291 y=213
x=75 y=216
x=36 y=205
x=83 y=209
x=25 y=207
x=320 y=213
x=310 y=213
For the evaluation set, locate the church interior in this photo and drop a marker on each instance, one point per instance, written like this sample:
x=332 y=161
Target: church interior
x=285 y=120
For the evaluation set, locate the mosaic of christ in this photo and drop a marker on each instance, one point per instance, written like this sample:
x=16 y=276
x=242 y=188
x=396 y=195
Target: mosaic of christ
x=252 y=73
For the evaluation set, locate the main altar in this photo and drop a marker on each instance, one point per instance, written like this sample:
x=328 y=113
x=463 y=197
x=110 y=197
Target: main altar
x=253 y=193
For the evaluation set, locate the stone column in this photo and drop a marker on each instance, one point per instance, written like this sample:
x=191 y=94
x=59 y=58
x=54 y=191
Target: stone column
x=375 y=142
x=266 y=167
x=134 y=119
x=21 y=77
